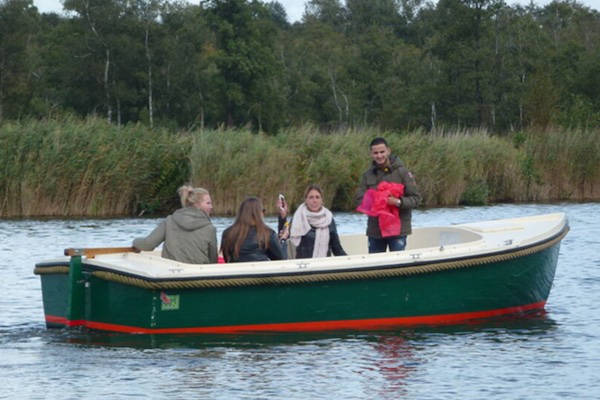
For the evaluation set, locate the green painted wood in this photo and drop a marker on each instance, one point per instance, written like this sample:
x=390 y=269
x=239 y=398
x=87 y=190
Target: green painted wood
x=525 y=280
x=55 y=289
x=75 y=303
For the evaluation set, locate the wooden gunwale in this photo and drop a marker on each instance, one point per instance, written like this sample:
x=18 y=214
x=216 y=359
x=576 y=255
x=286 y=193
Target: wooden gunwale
x=301 y=277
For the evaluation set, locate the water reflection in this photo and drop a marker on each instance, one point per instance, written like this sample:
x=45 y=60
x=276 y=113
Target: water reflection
x=390 y=342
x=536 y=322
x=396 y=361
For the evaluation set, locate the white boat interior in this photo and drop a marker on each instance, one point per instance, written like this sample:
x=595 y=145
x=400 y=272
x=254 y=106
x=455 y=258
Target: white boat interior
x=425 y=244
x=495 y=233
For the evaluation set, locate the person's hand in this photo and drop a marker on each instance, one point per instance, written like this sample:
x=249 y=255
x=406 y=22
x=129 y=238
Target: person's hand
x=284 y=234
x=283 y=207
x=394 y=201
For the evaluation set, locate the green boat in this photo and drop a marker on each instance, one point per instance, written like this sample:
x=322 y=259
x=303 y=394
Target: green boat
x=447 y=275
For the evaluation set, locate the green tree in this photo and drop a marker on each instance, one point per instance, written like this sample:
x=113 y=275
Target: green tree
x=188 y=89
x=111 y=36
x=278 y=14
x=19 y=20
x=148 y=12
x=367 y=15
x=327 y=12
x=320 y=90
x=574 y=36
x=462 y=37
x=246 y=62
x=517 y=41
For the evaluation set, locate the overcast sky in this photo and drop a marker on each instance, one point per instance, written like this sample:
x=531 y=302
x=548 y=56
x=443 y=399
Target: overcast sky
x=295 y=8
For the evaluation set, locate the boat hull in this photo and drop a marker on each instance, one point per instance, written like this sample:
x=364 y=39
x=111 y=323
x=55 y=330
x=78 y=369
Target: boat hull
x=384 y=297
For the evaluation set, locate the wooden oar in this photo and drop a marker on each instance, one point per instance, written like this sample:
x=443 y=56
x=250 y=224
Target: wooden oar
x=94 y=251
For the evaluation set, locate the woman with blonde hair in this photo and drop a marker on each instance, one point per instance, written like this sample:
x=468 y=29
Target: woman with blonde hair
x=249 y=238
x=188 y=234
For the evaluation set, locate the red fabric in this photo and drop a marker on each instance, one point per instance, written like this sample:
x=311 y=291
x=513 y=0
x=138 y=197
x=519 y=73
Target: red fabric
x=375 y=204
x=220 y=260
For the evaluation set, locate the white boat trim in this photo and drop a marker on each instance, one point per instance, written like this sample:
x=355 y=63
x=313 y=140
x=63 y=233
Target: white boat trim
x=425 y=245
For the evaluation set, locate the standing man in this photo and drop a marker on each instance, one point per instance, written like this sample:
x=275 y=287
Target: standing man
x=387 y=167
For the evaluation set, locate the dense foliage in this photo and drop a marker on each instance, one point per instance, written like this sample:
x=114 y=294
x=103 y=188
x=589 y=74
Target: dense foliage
x=90 y=167
x=391 y=64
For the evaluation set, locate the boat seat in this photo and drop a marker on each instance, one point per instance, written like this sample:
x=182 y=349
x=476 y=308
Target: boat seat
x=420 y=238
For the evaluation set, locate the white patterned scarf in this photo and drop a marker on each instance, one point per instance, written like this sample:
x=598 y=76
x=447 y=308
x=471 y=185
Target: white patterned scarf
x=304 y=220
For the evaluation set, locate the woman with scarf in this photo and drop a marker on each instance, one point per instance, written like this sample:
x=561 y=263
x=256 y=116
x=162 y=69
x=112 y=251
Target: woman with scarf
x=313 y=232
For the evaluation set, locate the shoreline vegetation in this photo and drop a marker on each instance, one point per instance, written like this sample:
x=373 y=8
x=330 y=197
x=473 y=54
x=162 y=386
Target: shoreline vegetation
x=90 y=168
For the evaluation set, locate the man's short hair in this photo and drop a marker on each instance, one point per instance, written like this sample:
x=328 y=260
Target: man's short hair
x=378 y=140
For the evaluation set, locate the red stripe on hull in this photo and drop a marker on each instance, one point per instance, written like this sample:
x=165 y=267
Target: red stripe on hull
x=357 y=324
x=63 y=321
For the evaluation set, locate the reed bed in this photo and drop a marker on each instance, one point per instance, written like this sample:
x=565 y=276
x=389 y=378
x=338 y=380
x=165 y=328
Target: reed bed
x=87 y=168
x=72 y=167
x=565 y=165
x=234 y=164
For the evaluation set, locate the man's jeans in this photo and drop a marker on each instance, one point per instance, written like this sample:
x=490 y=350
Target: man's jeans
x=396 y=243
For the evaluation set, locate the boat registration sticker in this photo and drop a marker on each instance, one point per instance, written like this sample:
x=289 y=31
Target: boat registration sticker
x=169 y=302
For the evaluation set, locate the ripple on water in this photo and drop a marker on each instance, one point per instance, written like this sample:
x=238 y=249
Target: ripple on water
x=550 y=355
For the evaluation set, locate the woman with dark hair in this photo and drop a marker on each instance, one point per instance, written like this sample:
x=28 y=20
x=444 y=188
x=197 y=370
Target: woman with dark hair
x=313 y=232
x=188 y=234
x=249 y=238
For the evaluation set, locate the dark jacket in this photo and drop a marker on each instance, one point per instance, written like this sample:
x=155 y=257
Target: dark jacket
x=307 y=243
x=189 y=237
x=397 y=173
x=251 y=251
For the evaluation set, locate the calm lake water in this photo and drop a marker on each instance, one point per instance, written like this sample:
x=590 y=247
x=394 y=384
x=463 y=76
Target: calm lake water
x=551 y=356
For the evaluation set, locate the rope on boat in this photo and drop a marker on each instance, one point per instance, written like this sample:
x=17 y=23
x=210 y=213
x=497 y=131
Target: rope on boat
x=308 y=278
x=51 y=270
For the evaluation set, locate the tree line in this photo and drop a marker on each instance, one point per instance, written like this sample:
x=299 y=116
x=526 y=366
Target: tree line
x=392 y=64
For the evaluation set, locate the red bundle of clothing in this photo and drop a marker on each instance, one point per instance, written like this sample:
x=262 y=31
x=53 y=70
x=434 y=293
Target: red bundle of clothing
x=375 y=204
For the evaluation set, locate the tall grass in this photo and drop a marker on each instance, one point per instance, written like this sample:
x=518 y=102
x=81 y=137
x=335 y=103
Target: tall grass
x=236 y=163
x=565 y=164
x=90 y=168
x=464 y=167
x=87 y=168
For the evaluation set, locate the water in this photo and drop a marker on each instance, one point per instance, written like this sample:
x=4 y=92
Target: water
x=555 y=355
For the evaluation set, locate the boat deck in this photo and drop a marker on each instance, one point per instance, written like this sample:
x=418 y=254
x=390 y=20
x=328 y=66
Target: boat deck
x=427 y=244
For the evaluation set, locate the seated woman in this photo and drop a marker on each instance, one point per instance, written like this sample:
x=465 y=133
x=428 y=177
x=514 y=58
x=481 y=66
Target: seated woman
x=249 y=238
x=188 y=234
x=313 y=232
